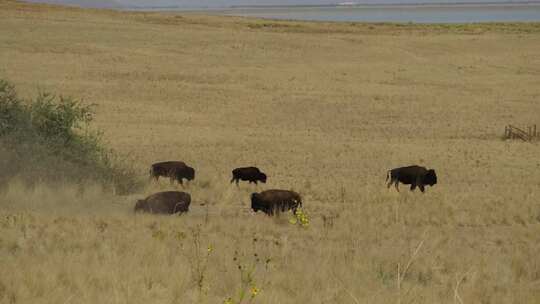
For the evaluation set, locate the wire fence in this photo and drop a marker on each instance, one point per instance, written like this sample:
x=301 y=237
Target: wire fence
x=528 y=134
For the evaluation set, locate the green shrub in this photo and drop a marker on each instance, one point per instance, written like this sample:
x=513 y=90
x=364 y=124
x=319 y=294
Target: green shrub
x=47 y=139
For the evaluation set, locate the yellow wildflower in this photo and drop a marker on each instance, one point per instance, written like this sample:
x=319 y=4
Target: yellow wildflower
x=254 y=291
x=300 y=218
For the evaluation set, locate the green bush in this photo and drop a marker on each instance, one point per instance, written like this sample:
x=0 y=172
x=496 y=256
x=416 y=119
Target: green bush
x=47 y=139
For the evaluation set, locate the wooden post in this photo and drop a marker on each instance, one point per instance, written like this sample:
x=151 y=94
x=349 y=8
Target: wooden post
x=510 y=132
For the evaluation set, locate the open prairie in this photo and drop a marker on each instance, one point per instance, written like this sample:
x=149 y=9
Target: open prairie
x=324 y=109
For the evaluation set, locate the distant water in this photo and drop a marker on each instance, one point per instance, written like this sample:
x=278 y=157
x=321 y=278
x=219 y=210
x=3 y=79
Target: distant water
x=400 y=13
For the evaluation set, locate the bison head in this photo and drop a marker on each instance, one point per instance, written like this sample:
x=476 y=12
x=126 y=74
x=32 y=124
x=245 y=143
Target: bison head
x=140 y=205
x=185 y=172
x=262 y=177
x=190 y=173
x=431 y=178
x=255 y=202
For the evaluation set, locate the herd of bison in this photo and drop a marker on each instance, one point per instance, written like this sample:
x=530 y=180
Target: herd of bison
x=270 y=201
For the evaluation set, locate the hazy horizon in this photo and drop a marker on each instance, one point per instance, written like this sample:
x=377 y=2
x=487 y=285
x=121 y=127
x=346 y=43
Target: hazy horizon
x=229 y=3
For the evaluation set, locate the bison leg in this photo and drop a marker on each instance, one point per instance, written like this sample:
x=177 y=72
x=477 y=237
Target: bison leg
x=176 y=208
x=396 y=184
x=413 y=186
x=418 y=183
x=179 y=207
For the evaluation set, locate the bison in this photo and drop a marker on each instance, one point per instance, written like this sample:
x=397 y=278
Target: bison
x=274 y=201
x=168 y=202
x=174 y=170
x=412 y=175
x=251 y=174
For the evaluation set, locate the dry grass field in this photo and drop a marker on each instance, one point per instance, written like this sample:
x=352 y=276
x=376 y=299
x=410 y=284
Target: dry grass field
x=324 y=109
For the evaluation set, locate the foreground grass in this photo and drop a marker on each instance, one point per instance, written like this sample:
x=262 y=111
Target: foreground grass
x=324 y=110
x=90 y=248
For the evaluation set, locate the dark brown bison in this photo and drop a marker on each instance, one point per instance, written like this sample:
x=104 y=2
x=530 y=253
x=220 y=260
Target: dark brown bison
x=168 y=202
x=251 y=174
x=174 y=170
x=412 y=175
x=274 y=201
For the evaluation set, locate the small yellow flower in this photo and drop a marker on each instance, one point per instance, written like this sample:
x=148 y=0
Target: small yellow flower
x=254 y=291
x=300 y=218
x=210 y=248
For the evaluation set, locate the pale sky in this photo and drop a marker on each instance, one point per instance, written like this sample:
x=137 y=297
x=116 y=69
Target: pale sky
x=227 y=3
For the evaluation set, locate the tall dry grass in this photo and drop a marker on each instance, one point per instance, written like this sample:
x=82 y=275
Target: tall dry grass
x=324 y=109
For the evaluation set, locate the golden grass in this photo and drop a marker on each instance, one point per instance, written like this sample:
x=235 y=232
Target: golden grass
x=324 y=109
